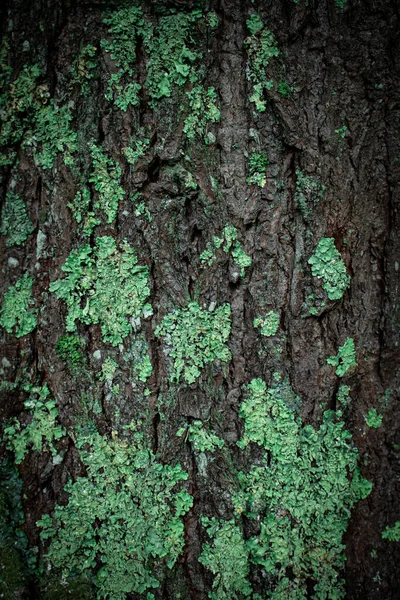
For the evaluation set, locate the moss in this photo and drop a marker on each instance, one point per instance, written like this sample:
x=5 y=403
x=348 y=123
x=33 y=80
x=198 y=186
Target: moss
x=201 y=439
x=15 y=223
x=373 y=418
x=327 y=264
x=17 y=314
x=300 y=493
x=195 y=337
x=227 y=558
x=261 y=47
x=392 y=533
x=106 y=177
x=112 y=284
x=204 y=109
x=123 y=518
x=257 y=169
x=269 y=324
x=345 y=358
x=229 y=243
x=43 y=429
x=69 y=350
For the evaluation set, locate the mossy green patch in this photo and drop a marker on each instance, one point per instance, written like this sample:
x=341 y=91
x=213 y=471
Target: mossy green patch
x=345 y=358
x=204 y=109
x=229 y=243
x=373 y=418
x=15 y=223
x=69 y=349
x=261 y=47
x=300 y=493
x=125 y=25
x=17 y=313
x=110 y=282
x=123 y=518
x=200 y=437
x=392 y=533
x=269 y=324
x=106 y=177
x=227 y=558
x=327 y=264
x=258 y=163
x=43 y=429
x=195 y=337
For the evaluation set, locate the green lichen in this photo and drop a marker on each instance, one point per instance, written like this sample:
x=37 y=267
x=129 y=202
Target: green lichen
x=51 y=135
x=227 y=558
x=17 y=314
x=345 y=358
x=80 y=207
x=136 y=149
x=204 y=109
x=125 y=25
x=106 y=177
x=195 y=337
x=229 y=243
x=307 y=194
x=172 y=54
x=123 y=518
x=327 y=264
x=42 y=431
x=261 y=47
x=15 y=223
x=392 y=533
x=108 y=369
x=201 y=439
x=83 y=68
x=138 y=357
x=300 y=493
x=69 y=349
x=257 y=169
x=373 y=418
x=269 y=324
x=104 y=285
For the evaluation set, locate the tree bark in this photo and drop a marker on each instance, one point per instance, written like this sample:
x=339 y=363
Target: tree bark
x=339 y=125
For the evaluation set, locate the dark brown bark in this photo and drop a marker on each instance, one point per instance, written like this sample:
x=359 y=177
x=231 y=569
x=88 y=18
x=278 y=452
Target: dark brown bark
x=345 y=64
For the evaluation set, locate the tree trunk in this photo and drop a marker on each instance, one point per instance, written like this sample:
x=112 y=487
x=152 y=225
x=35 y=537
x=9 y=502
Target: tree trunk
x=233 y=165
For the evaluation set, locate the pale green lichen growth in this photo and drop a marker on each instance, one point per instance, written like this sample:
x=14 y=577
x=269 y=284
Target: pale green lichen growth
x=195 y=337
x=258 y=163
x=269 y=324
x=136 y=149
x=261 y=47
x=229 y=243
x=85 y=218
x=51 y=135
x=227 y=558
x=201 y=439
x=104 y=285
x=300 y=493
x=108 y=369
x=345 y=358
x=392 y=534
x=106 y=177
x=43 y=429
x=373 y=418
x=15 y=223
x=125 y=25
x=204 y=109
x=17 y=313
x=173 y=54
x=121 y=517
x=83 y=68
x=327 y=264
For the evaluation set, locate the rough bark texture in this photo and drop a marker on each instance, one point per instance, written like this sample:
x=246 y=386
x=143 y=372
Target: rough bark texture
x=344 y=64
